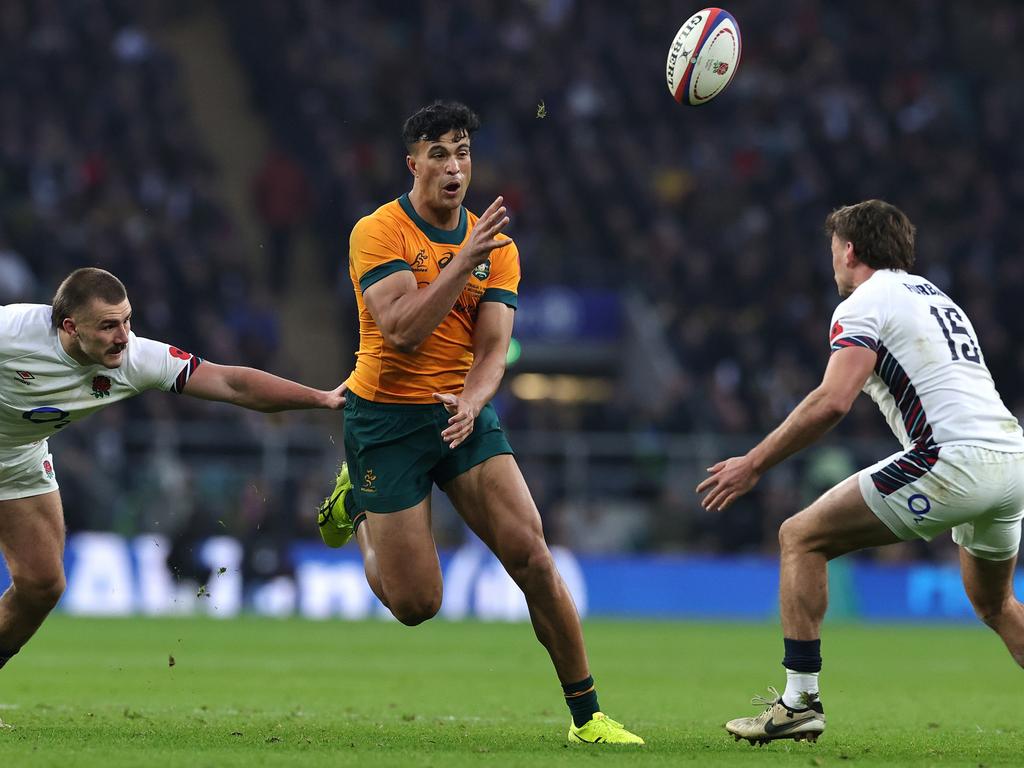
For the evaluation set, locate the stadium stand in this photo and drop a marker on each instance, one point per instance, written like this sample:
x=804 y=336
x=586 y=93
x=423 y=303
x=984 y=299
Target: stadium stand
x=714 y=216
x=711 y=217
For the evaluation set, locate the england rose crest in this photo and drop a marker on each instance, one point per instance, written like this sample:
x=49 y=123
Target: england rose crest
x=48 y=469
x=100 y=387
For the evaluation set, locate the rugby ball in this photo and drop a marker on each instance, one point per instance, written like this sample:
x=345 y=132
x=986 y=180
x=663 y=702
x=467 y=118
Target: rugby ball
x=704 y=57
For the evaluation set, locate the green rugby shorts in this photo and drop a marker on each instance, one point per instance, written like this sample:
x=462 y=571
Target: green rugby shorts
x=395 y=451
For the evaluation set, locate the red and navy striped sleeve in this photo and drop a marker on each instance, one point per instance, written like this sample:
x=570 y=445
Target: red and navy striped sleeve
x=156 y=365
x=186 y=372
x=858 y=321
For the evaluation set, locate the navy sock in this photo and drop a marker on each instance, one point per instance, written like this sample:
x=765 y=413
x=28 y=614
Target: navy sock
x=582 y=700
x=354 y=515
x=802 y=655
x=5 y=656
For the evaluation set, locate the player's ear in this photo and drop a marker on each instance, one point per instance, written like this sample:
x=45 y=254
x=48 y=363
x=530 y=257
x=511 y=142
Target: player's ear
x=410 y=163
x=69 y=326
x=850 y=256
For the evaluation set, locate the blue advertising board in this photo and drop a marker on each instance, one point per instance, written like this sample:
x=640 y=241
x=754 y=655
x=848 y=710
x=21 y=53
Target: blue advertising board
x=111 y=575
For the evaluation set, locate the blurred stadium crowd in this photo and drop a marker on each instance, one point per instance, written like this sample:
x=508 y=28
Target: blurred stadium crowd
x=713 y=215
x=100 y=164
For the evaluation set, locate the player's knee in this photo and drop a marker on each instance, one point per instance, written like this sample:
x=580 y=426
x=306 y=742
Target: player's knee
x=417 y=609
x=41 y=591
x=531 y=564
x=789 y=535
x=796 y=536
x=989 y=610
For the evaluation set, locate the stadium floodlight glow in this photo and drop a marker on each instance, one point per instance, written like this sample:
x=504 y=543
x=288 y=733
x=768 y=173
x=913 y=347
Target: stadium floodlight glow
x=515 y=351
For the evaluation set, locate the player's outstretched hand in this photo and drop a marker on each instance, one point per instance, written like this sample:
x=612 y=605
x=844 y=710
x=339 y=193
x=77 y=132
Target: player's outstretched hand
x=336 y=398
x=463 y=417
x=728 y=480
x=482 y=239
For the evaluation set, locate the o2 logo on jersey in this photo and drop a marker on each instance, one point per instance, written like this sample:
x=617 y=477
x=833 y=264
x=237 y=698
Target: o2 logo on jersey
x=920 y=505
x=48 y=415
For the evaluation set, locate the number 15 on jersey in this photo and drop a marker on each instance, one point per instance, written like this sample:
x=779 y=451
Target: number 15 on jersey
x=950 y=321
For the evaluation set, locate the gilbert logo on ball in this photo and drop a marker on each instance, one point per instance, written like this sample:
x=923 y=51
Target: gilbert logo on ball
x=704 y=57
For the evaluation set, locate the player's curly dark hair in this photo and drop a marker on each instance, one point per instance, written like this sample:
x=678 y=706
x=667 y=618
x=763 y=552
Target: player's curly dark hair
x=882 y=235
x=431 y=122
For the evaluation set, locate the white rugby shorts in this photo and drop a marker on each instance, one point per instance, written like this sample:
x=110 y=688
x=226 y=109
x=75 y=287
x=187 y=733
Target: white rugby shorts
x=26 y=470
x=976 y=492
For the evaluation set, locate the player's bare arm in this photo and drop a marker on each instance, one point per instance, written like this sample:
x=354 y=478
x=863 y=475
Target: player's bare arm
x=491 y=337
x=821 y=410
x=406 y=314
x=258 y=390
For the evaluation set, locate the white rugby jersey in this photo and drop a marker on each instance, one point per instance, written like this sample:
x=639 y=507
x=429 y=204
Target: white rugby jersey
x=43 y=389
x=930 y=382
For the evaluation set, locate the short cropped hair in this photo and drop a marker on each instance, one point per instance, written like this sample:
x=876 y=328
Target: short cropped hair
x=882 y=235
x=82 y=286
x=431 y=122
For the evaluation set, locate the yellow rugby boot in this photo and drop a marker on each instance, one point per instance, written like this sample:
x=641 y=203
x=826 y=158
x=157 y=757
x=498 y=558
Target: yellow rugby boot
x=335 y=524
x=601 y=729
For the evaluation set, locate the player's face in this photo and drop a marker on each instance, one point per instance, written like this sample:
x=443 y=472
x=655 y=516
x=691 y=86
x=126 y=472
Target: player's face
x=101 y=333
x=843 y=275
x=443 y=169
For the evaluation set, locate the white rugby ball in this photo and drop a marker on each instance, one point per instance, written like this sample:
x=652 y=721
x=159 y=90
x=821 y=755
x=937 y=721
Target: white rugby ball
x=704 y=56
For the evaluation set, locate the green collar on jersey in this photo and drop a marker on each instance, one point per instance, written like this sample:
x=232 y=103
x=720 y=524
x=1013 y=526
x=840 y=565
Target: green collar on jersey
x=436 y=235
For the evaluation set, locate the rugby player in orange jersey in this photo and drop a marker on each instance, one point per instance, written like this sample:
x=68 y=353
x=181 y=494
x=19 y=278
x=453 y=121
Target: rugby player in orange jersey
x=436 y=291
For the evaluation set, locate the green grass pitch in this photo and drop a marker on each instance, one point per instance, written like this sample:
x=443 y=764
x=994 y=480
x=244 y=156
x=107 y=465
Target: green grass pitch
x=260 y=692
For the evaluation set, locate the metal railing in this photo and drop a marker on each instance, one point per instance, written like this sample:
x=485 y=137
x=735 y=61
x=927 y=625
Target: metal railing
x=160 y=475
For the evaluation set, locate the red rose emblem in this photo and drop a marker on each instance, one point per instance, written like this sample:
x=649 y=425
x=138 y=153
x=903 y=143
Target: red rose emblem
x=100 y=386
x=179 y=353
x=836 y=330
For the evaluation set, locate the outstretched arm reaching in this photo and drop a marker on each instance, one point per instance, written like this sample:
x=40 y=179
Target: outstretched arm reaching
x=816 y=414
x=258 y=390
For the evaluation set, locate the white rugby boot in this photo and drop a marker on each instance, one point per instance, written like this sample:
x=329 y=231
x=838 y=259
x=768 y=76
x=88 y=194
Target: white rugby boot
x=779 y=721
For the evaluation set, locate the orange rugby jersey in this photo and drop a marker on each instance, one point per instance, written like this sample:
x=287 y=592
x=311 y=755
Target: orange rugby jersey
x=394 y=238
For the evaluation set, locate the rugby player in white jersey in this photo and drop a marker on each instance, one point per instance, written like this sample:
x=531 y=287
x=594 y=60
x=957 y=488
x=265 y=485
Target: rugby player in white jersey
x=59 y=364
x=915 y=353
